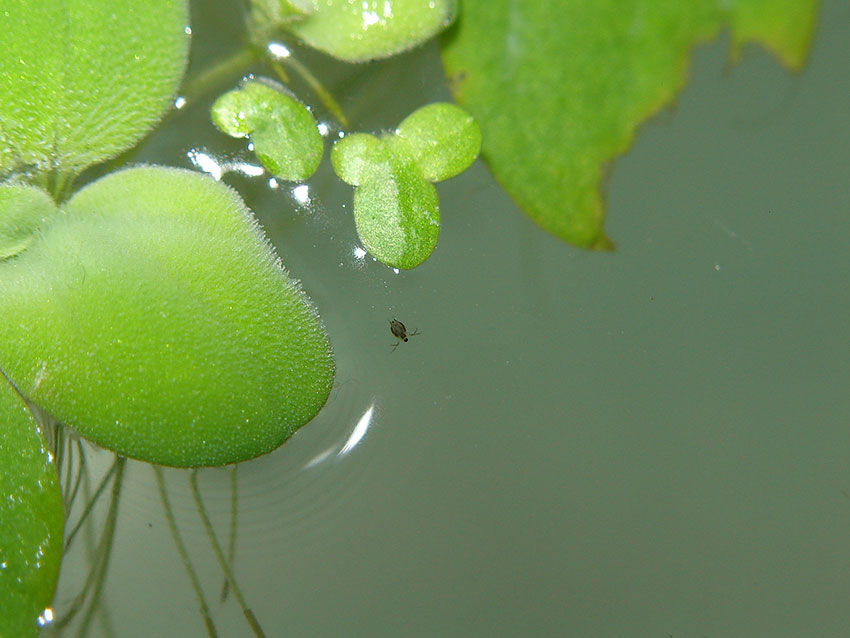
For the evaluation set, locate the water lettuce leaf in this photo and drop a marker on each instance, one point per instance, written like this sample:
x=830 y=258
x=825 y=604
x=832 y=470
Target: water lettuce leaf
x=152 y=317
x=559 y=86
x=32 y=519
x=83 y=80
x=361 y=30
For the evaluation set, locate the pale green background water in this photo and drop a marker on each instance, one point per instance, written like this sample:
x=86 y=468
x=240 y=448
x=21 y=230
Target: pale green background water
x=649 y=443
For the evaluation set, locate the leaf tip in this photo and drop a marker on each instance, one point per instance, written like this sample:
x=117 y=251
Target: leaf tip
x=603 y=243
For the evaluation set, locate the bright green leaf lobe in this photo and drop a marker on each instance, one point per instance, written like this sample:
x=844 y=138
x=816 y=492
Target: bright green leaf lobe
x=283 y=131
x=23 y=210
x=442 y=138
x=32 y=518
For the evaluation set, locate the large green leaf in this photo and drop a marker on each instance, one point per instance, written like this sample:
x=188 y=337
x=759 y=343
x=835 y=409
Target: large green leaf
x=152 y=317
x=83 y=80
x=559 y=86
x=31 y=520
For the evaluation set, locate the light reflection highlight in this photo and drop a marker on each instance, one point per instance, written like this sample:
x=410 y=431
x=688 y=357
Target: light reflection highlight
x=216 y=167
x=180 y=102
x=359 y=431
x=46 y=617
x=369 y=18
x=278 y=51
x=301 y=193
x=207 y=163
x=249 y=170
x=319 y=458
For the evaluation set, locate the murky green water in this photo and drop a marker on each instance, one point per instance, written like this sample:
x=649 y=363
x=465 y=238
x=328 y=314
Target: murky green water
x=648 y=443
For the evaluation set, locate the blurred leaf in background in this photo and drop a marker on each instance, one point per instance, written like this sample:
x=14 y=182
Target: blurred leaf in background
x=559 y=86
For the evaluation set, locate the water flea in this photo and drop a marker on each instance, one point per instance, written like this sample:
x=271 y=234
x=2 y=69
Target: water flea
x=399 y=331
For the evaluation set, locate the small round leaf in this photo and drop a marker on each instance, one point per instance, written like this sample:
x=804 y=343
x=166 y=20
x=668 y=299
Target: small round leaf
x=23 y=210
x=284 y=133
x=397 y=215
x=442 y=138
x=359 y=157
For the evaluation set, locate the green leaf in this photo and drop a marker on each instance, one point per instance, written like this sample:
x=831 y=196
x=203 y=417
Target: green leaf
x=83 y=80
x=395 y=208
x=359 y=158
x=284 y=133
x=153 y=318
x=361 y=30
x=396 y=211
x=442 y=138
x=32 y=518
x=23 y=210
x=559 y=86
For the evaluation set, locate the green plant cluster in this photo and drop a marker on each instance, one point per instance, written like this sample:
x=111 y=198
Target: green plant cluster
x=396 y=209
x=395 y=206
x=147 y=311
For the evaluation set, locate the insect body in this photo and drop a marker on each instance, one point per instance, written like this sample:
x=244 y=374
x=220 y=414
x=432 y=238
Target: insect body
x=399 y=331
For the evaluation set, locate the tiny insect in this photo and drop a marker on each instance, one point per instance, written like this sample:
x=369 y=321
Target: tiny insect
x=399 y=331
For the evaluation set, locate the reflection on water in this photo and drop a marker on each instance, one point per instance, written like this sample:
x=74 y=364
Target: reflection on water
x=359 y=431
x=216 y=166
